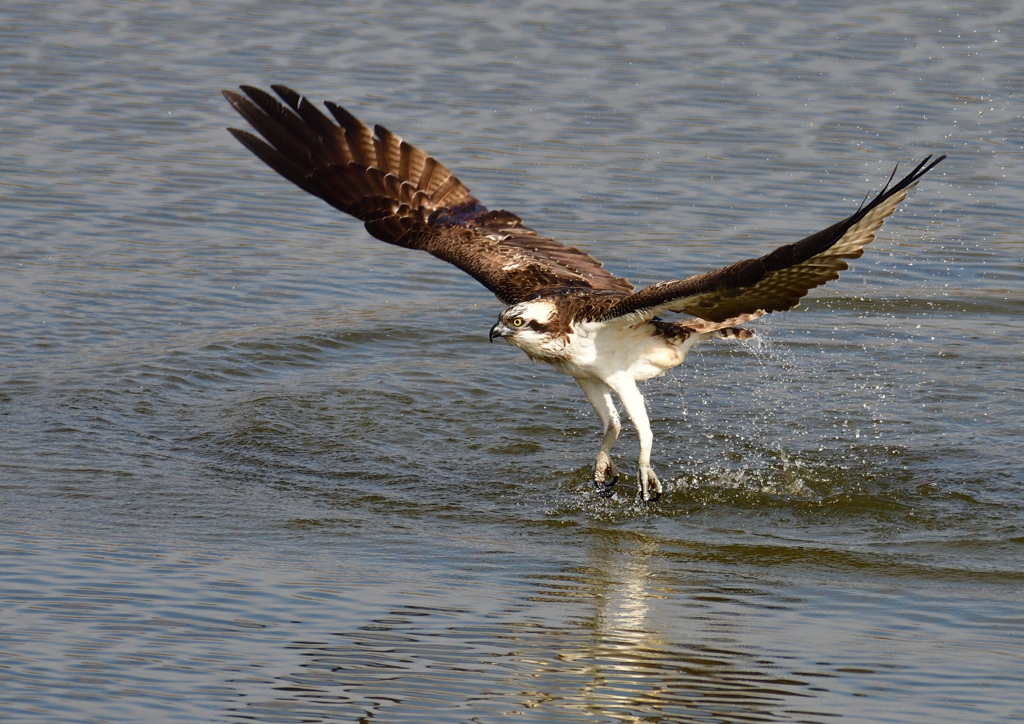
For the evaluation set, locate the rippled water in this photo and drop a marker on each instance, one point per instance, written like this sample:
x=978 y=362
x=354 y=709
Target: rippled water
x=255 y=465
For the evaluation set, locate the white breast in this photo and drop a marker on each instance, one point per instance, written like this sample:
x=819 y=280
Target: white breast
x=604 y=349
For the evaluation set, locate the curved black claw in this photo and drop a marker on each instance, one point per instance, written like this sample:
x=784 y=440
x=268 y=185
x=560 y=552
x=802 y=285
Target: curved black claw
x=655 y=496
x=604 y=487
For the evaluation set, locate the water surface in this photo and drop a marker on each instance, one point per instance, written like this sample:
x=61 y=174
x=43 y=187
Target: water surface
x=255 y=465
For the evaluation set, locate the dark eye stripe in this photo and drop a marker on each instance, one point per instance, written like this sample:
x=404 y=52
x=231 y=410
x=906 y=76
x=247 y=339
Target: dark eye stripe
x=535 y=325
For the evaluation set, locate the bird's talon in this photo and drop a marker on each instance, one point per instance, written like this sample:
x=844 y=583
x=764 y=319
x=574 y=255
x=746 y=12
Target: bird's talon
x=606 y=476
x=648 y=485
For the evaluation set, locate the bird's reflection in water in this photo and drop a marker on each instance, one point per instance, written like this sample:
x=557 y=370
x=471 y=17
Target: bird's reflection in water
x=627 y=635
x=660 y=645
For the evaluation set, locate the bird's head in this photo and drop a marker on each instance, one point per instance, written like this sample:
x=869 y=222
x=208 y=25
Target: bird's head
x=533 y=327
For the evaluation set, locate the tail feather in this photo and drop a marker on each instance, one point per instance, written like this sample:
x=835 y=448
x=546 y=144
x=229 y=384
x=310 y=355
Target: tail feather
x=735 y=333
x=727 y=328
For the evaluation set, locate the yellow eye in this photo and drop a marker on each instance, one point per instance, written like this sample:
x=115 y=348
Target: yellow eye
x=517 y=322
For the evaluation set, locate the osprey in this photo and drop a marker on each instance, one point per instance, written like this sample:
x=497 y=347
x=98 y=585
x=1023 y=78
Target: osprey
x=563 y=306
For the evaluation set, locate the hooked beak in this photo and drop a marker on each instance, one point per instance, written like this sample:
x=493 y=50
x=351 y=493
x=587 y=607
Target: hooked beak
x=498 y=330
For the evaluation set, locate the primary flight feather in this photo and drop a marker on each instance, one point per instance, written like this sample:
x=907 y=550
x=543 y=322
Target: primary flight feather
x=563 y=306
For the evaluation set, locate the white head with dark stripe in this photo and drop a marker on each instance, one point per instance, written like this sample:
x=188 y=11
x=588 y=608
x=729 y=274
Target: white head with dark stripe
x=534 y=327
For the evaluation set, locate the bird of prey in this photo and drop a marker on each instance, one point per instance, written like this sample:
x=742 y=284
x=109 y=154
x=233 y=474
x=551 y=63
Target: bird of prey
x=562 y=306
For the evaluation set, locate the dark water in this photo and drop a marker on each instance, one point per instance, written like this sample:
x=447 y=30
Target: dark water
x=256 y=466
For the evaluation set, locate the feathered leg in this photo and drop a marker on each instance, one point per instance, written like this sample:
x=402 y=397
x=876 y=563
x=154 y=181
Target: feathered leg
x=633 y=401
x=600 y=396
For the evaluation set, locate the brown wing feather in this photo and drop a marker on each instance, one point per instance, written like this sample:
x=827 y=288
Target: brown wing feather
x=776 y=281
x=408 y=198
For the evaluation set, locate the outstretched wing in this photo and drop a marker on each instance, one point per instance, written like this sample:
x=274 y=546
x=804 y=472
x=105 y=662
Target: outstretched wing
x=407 y=198
x=778 y=280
